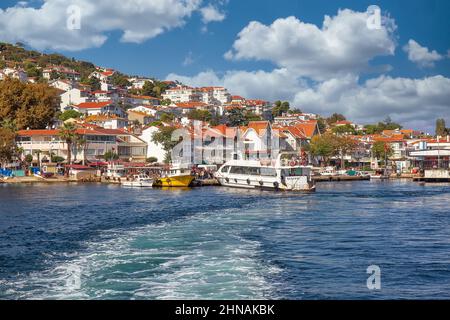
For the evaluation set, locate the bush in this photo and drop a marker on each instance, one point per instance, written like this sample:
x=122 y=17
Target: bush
x=152 y=160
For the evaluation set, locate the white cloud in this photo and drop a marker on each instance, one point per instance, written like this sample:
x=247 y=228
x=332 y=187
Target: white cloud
x=405 y=100
x=422 y=56
x=318 y=70
x=279 y=83
x=344 y=44
x=138 y=20
x=189 y=59
x=211 y=14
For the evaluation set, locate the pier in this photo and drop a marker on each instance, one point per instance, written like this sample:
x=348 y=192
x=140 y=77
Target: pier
x=340 y=178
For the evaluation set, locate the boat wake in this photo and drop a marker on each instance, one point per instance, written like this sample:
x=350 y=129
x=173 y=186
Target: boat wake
x=204 y=256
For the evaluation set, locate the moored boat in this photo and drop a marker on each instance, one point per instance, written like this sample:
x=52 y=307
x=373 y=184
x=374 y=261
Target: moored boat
x=139 y=181
x=174 y=178
x=280 y=174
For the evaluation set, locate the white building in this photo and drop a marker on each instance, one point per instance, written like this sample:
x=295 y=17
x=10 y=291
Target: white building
x=142 y=100
x=107 y=121
x=14 y=73
x=97 y=108
x=182 y=94
x=215 y=95
x=102 y=75
x=98 y=142
x=75 y=97
x=61 y=71
x=151 y=111
x=138 y=83
x=154 y=149
x=64 y=85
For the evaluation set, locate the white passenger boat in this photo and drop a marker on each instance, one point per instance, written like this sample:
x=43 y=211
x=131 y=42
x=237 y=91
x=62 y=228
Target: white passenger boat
x=280 y=174
x=139 y=181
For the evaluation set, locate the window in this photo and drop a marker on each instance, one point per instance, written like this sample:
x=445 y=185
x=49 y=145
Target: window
x=225 y=169
x=249 y=171
x=237 y=170
x=294 y=172
x=268 y=172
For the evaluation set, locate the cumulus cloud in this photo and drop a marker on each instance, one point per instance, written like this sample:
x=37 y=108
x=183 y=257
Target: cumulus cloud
x=404 y=99
x=211 y=14
x=46 y=26
x=422 y=56
x=344 y=44
x=279 y=83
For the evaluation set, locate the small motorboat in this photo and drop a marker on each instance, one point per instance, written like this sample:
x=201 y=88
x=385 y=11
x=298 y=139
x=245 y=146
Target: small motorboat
x=174 y=177
x=139 y=181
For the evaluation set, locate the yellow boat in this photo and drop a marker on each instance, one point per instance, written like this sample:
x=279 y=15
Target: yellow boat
x=174 y=178
x=174 y=181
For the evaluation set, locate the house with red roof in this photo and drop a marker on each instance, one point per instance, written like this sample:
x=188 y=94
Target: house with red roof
x=97 y=108
x=98 y=141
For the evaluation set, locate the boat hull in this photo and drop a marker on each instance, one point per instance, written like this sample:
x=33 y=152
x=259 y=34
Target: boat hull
x=174 y=182
x=268 y=185
x=137 y=184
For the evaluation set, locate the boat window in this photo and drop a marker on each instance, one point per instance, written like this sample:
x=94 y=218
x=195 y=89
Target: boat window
x=237 y=170
x=268 y=172
x=252 y=171
x=225 y=169
x=293 y=172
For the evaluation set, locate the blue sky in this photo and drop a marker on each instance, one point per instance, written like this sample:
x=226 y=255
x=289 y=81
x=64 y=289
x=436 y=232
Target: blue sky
x=189 y=46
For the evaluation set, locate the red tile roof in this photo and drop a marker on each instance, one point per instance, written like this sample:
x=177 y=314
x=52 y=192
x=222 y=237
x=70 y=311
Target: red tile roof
x=93 y=105
x=191 y=105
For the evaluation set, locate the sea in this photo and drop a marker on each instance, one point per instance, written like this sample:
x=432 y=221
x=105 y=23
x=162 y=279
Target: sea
x=95 y=241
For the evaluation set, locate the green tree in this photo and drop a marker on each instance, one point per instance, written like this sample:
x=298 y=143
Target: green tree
x=120 y=80
x=342 y=130
x=295 y=111
x=345 y=145
x=441 y=129
x=201 y=115
x=68 y=133
x=7 y=145
x=325 y=146
x=31 y=106
x=111 y=156
x=152 y=160
x=166 y=102
x=236 y=118
x=93 y=82
x=382 y=150
x=335 y=117
x=280 y=108
x=251 y=116
x=322 y=125
x=167 y=117
x=164 y=137
x=70 y=114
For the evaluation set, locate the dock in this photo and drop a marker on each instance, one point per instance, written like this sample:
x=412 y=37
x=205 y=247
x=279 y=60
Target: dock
x=340 y=178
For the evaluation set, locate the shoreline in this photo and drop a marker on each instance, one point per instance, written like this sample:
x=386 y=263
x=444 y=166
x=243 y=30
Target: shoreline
x=198 y=183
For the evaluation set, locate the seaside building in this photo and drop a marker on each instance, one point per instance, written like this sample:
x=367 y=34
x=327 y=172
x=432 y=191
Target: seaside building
x=47 y=143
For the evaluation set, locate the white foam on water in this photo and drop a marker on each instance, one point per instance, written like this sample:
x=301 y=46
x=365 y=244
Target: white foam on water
x=205 y=256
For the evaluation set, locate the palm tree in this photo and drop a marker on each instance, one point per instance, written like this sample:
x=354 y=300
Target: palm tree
x=68 y=134
x=38 y=153
x=82 y=144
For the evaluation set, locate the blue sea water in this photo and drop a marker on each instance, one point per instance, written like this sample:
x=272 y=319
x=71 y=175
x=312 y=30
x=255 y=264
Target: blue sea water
x=219 y=243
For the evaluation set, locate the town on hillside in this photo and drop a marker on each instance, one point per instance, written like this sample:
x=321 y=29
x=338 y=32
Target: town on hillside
x=59 y=115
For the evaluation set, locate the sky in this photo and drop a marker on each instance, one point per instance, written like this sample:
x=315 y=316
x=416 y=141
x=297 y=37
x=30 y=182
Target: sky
x=322 y=56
